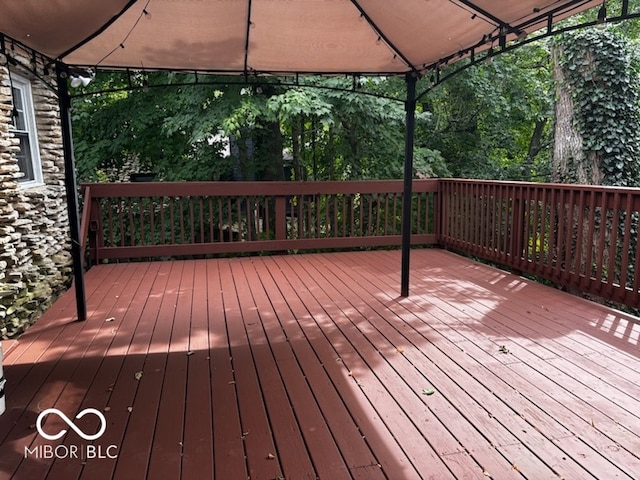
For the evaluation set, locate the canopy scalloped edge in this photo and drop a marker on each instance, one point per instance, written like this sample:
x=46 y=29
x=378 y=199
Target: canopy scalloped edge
x=275 y=37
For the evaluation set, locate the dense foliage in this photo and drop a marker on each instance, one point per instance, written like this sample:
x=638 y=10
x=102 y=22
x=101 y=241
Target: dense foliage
x=604 y=89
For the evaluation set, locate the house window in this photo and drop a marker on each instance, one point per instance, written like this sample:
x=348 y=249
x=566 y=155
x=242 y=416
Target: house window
x=24 y=128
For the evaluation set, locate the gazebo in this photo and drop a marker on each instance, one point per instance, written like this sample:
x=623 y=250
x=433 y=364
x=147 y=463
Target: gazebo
x=312 y=366
x=260 y=37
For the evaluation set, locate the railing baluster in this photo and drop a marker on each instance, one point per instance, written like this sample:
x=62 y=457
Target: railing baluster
x=131 y=227
x=568 y=237
x=141 y=212
x=559 y=231
x=192 y=220
x=202 y=238
x=613 y=244
x=220 y=218
x=162 y=226
x=626 y=244
x=635 y=298
x=602 y=234
x=152 y=223
x=110 y=226
x=589 y=262
x=579 y=255
x=172 y=219
x=210 y=218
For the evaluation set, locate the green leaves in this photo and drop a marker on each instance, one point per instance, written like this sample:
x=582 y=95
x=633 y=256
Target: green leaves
x=485 y=119
x=605 y=92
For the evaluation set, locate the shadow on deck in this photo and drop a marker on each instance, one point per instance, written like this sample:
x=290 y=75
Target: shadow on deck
x=311 y=366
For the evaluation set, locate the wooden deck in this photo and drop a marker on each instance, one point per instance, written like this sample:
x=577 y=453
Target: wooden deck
x=311 y=366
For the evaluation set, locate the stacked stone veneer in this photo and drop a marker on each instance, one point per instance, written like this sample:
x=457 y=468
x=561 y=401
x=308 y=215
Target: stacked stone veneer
x=35 y=263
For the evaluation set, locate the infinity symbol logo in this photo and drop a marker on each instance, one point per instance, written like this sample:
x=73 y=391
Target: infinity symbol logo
x=98 y=434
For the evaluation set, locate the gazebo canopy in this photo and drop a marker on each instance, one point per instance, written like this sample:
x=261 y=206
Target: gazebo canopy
x=274 y=36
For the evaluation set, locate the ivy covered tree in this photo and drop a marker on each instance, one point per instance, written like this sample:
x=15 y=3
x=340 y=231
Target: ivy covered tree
x=597 y=117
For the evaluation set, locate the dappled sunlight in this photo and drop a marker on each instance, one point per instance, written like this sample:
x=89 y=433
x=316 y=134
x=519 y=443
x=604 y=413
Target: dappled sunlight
x=620 y=326
x=317 y=360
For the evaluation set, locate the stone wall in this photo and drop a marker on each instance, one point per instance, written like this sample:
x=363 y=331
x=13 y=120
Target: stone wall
x=35 y=263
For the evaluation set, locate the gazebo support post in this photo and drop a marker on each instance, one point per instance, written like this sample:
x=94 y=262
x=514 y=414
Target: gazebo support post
x=410 y=126
x=64 y=101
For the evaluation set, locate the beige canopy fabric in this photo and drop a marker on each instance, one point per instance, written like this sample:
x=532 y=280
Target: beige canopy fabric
x=273 y=36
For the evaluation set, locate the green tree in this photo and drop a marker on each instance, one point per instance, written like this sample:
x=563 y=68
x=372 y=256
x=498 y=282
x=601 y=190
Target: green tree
x=179 y=131
x=492 y=120
x=597 y=137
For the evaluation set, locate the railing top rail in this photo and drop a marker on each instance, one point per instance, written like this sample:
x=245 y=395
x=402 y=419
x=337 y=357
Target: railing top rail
x=155 y=189
x=557 y=186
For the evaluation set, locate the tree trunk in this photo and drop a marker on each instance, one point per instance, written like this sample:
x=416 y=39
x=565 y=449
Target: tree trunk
x=332 y=155
x=297 y=126
x=269 y=144
x=535 y=145
x=570 y=164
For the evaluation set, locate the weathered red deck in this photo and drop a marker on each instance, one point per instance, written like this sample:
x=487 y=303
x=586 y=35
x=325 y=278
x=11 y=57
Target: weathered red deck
x=311 y=366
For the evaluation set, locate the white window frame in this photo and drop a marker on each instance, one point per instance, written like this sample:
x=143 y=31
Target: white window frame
x=23 y=86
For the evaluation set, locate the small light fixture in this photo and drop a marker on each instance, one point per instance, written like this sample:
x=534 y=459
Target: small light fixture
x=81 y=78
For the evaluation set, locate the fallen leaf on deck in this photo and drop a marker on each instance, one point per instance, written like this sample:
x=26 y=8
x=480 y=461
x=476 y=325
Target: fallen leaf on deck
x=399 y=350
x=485 y=473
x=503 y=349
x=138 y=375
x=428 y=391
x=271 y=456
x=190 y=353
x=129 y=409
x=106 y=409
x=110 y=319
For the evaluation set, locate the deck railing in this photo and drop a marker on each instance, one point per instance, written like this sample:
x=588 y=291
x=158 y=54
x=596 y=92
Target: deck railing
x=581 y=237
x=157 y=219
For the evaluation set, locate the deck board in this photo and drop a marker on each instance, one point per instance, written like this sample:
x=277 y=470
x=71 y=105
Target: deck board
x=311 y=366
x=289 y=350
